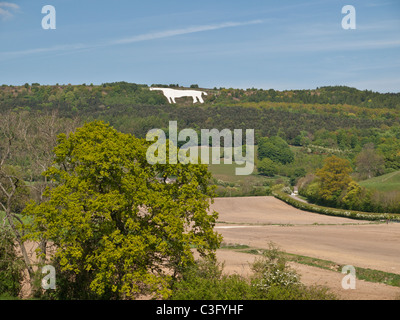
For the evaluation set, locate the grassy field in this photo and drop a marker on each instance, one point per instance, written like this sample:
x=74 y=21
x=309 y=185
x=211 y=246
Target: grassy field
x=386 y=182
x=227 y=171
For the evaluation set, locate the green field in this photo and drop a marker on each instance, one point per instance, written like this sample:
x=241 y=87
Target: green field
x=226 y=171
x=386 y=182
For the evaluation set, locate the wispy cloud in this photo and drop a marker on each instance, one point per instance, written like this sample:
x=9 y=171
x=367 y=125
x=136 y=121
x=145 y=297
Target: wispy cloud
x=133 y=39
x=176 y=32
x=7 y=9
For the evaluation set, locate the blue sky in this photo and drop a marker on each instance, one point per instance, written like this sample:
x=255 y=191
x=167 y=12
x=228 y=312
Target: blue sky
x=286 y=44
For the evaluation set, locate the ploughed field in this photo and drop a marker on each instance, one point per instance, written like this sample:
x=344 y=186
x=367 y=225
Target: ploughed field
x=258 y=221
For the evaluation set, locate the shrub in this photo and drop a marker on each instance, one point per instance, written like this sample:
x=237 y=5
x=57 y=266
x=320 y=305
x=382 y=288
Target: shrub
x=272 y=279
x=271 y=270
x=204 y=280
x=287 y=190
x=267 y=167
x=277 y=187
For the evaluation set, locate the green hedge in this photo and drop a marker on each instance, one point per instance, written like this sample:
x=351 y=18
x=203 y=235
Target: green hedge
x=333 y=211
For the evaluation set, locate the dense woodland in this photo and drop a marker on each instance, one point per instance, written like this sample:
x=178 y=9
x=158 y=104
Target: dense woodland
x=338 y=120
x=339 y=117
x=343 y=117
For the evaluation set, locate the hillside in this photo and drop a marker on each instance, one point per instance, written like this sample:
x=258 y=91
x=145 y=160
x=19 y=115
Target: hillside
x=315 y=123
x=386 y=182
x=133 y=108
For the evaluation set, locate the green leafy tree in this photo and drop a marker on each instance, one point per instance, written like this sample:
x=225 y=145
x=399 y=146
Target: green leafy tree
x=267 y=167
x=390 y=148
x=334 y=177
x=356 y=197
x=119 y=230
x=276 y=149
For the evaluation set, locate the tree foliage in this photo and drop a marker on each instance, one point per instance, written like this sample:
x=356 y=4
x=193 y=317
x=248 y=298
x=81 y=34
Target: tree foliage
x=267 y=167
x=119 y=230
x=276 y=149
x=355 y=196
x=334 y=177
x=369 y=163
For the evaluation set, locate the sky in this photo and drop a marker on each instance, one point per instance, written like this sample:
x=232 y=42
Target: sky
x=283 y=45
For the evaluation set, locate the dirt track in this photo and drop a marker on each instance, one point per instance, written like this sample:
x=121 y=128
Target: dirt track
x=257 y=221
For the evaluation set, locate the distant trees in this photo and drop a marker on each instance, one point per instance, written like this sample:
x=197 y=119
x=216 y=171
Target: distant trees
x=298 y=117
x=303 y=139
x=267 y=167
x=333 y=178
x=13 y=130
x=323 y=95
x=276 y=149
x=333 y=186
x=272 y=152
x=328 y=183
x=390 y=148
x=369 y=163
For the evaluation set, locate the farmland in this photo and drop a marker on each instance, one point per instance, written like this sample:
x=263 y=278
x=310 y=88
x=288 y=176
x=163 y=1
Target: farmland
x=254 y=222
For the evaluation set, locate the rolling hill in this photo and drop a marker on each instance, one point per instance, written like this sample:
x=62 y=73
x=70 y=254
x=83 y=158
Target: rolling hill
x=386 y=182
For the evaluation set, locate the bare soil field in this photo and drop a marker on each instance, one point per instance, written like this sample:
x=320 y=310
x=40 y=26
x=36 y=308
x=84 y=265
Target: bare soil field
x=257 y=221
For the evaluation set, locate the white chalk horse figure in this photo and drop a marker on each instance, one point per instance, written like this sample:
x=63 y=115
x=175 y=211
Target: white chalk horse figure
x=171 y=94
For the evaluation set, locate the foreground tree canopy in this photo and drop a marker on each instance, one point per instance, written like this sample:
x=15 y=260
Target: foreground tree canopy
x=118 y=229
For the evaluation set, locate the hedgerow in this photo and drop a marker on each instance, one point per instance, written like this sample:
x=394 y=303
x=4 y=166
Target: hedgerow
x=333 y=211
